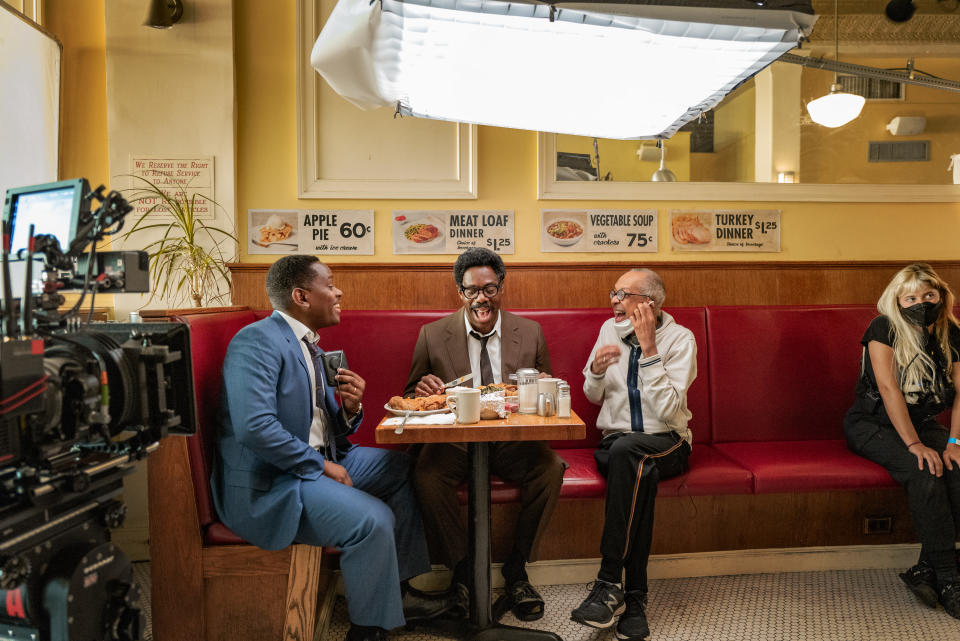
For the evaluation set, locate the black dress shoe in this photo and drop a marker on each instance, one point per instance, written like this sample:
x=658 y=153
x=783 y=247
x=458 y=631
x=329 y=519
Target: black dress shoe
x=420 y=606
x=365 y=633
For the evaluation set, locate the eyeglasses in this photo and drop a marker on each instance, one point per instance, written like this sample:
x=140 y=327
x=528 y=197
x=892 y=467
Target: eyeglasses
x=620 y=294
x=489 y=290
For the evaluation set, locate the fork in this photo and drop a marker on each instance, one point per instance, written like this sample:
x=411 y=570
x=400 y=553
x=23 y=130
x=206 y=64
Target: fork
x=399 y=429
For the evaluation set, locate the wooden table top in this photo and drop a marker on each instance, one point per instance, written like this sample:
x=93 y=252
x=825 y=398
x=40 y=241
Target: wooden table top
x=516 y=427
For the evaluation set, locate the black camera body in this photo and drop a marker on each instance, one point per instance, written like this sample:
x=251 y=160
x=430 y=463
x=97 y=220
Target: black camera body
x=80 y=405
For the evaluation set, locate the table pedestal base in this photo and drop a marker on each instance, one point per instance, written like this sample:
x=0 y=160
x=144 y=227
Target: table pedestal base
x=482 y=626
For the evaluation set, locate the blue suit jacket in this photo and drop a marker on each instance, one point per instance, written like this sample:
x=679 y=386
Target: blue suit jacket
x=263 y=446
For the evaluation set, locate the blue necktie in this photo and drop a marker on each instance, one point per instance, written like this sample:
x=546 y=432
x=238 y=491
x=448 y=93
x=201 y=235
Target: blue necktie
x=321 y=397
x=633 y=392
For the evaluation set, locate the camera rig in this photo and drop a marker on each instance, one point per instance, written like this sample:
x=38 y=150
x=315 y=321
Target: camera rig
x=80 y=404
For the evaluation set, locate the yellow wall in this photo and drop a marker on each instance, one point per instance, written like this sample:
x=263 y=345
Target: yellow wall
x=79 y=26
x=267 y=144
x=840 y=155
x=734 y=136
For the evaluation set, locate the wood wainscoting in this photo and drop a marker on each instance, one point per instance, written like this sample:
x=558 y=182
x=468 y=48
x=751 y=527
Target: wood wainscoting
x=585 y=284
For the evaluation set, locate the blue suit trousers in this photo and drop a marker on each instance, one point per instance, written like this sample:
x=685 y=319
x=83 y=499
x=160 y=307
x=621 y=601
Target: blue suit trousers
x=377 y=526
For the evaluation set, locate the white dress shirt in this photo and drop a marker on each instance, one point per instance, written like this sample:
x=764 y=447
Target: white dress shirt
x=318 y=427
x=493 y=350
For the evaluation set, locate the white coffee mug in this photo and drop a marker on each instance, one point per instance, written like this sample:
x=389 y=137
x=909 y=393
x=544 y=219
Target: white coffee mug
x=465 y=403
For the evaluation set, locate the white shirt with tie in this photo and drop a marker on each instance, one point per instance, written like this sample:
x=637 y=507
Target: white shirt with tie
x=318 y=427
x=493 y=351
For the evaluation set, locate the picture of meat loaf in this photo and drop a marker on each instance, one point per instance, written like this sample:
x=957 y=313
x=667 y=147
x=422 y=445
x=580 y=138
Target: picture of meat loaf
x=688 y=229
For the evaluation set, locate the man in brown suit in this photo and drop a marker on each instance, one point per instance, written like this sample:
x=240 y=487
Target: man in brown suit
x=490 y=343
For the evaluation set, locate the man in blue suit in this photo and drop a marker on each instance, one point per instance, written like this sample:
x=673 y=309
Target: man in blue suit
x=287 y=473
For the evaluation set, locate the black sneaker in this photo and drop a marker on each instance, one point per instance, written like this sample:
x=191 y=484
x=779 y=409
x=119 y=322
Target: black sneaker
x=922 y=581
x=632 y=626
x=950 y=599
x=598 y=610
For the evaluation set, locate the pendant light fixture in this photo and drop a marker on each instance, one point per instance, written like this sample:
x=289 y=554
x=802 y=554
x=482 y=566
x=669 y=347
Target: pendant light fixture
x=838 y=107
x=663 y=175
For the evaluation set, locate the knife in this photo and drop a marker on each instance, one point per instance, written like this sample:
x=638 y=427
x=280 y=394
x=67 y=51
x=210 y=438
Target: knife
x=457 y=381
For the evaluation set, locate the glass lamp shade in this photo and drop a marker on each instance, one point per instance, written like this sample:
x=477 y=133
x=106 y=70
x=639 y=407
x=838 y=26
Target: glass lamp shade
x=614 y=73
x=835 y=109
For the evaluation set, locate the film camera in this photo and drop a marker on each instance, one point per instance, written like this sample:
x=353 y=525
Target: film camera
x=80 y=404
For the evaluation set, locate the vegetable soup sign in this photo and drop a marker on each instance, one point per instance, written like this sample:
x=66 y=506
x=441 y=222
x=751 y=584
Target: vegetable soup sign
x=451 y=232
x=598 y=230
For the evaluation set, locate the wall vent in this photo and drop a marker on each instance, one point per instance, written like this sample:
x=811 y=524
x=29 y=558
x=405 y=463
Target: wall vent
x=906 y=151
x=872 y=88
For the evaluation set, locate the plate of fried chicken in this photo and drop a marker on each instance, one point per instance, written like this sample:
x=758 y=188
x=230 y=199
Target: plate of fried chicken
x=422 y=406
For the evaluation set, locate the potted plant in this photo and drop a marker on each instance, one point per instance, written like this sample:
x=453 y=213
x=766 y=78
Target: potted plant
x=187 y=260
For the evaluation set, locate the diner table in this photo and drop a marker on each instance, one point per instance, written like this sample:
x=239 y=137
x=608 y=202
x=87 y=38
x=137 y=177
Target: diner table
x=477 y=436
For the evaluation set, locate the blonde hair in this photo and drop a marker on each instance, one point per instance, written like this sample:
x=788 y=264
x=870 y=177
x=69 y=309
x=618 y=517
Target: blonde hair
x=915 y=368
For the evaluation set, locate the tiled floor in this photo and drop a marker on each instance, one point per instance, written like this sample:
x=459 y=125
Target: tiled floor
x=860 y=605
x=865 y=605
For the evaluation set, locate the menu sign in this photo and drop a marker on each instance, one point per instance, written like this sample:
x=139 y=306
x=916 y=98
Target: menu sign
x=725 y=230
x=451 y=232
x=174 y=176
x=598 y=230
x=330 y=231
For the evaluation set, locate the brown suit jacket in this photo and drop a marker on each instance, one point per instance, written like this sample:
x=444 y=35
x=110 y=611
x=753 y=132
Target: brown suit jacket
x=441 y=349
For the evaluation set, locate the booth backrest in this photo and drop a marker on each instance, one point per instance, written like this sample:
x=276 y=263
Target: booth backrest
x=210 y=334
x=783 y=373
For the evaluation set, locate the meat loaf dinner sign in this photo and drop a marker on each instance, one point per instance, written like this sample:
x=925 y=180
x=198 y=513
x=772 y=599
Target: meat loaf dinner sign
x=598 y=230
x=451 y=232
x=725 y=230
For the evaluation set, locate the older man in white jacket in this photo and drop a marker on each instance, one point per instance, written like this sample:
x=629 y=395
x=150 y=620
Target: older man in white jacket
x=639 y=372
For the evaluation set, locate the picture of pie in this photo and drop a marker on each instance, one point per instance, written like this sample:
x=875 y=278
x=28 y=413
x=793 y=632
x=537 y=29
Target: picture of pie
x=688 y=229
x=271 y=235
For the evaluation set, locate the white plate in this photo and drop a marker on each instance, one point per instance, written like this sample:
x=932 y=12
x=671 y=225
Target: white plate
x=396 y=412
x=566 y=242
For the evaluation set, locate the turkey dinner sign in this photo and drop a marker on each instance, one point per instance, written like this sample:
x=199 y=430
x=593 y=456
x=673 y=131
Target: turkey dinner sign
x=725 y=230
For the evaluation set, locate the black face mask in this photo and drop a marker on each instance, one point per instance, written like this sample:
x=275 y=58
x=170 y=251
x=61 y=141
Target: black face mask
x=922 y=314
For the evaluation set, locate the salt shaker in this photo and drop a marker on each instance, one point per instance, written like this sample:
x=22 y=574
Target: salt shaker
x=563 y=400
x=527 y=390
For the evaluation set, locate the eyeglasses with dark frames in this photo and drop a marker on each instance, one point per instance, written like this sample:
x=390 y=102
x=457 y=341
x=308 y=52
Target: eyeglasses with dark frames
x=490 y=290
x=620 y=294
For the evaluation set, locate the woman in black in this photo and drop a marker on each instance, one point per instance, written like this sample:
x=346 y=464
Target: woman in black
x=910 y=373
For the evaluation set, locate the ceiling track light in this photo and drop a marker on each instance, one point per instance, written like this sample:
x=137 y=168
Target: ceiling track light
x=163 y=14
x=900 y=10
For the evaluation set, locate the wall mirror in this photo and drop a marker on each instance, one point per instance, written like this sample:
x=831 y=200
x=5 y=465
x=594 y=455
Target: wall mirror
x=759 y=143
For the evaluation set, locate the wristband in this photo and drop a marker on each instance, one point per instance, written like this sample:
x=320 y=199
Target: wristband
x=953 y=440
x=912 y=444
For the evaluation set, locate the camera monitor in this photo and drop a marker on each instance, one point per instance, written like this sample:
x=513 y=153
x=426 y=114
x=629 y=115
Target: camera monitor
x=52 y=208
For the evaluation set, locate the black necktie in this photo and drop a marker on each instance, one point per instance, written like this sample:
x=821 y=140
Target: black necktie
x=486 y=370
x=320 y=398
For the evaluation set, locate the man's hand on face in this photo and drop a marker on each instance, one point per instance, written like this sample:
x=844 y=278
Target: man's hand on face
x=644 y=320
x=337 y=472
x=429 y=385
x=350 y=389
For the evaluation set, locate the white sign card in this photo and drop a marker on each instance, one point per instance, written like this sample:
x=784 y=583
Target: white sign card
x=179 y=177
x=307 y=231
x=740 y=230
x=452 y=232
x=598 y=230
